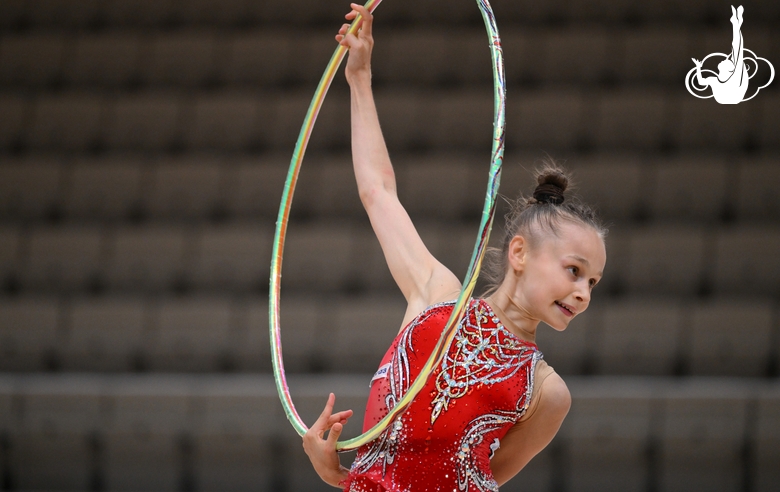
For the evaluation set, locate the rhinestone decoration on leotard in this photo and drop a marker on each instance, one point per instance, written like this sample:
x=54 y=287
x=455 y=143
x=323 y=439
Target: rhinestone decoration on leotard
x=485 y=355
x=451 y=452
x=468 y=469
x=399 y=377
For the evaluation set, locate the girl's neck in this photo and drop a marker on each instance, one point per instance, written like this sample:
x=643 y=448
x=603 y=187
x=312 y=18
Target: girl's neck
x=513 y=316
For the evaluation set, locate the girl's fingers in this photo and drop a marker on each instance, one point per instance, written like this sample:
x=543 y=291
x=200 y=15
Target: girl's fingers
x=340 y=417
x=326 y=413
x=334 y=434
x=367 y=18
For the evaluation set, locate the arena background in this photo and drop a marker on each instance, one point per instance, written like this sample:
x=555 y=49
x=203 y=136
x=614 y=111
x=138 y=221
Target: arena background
x=143 y=147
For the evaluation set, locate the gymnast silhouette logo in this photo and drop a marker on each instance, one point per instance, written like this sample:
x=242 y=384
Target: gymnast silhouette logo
x=735 y=70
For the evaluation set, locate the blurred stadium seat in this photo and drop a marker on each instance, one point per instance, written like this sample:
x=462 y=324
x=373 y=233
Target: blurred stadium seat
x=63 y=259
x=319 y=257
x=612 y=183
x=188 y=188
x=757 y=180
x=68 y=122
x=576 y=53
x=105 y=188
x=232 y=446
x=52 y=444
x=639 y=337
x=190 y=334
x=746 y=263
x=108 y=60
x=301 y=333
x=144 y=122
x=254 y=185
x=146 y=258
x=701 y=437
x=731 y=339
x=631 y=119
x=232 y=257
x=362 y=330
x=104 y=334
x=14 y=110
x=766 y=435
x=143 y=438
x=31 y=60
x=673 y=198
x=222 y=121
x=571 y=352
x=667 y=260
x=547 y=118
x=698 y=124
x=606 y=436
x=29 y=333
x=650 y=55
x=10 y=252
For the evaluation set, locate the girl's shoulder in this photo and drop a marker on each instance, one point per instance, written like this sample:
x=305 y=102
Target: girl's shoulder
x=550 y=393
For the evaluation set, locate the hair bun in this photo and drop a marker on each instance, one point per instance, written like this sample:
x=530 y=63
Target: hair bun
x=552 y=184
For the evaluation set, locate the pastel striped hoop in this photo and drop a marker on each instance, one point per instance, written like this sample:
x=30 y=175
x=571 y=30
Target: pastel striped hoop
x=469 y=282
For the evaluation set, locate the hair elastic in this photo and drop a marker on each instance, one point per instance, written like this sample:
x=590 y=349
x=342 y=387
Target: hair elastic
x=549 y=193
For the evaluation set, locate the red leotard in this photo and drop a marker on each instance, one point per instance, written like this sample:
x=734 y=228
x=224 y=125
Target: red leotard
x=446 y=437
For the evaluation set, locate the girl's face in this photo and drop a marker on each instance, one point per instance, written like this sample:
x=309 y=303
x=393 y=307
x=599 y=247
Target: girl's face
x=559 y=273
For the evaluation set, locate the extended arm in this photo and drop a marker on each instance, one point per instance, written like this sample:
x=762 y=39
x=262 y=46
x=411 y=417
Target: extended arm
x=528 y=437
x=421 y=278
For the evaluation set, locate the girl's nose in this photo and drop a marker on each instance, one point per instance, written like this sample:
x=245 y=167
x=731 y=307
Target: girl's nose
x=583 y=293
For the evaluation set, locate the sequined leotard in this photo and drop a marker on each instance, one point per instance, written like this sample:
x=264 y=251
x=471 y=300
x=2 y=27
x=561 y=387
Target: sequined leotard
x=445 y=439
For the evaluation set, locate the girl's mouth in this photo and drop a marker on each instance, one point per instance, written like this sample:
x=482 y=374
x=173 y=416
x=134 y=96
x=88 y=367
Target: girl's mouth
x=565 y=309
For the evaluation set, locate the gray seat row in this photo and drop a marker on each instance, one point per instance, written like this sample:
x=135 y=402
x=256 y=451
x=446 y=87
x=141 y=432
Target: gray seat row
x=156 y=432
x=345 y=256
x=274 y=57
x=553 y=119
x=88 y=13
x=720 y=337
x=699 y=188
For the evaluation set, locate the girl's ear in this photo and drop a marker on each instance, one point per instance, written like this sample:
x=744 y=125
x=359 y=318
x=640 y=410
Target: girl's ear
x=517 y=252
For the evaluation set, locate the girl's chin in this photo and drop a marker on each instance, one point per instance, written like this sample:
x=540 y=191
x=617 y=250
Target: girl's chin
x=557 y=325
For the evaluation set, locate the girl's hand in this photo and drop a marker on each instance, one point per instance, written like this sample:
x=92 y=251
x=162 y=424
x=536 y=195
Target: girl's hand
x=321 y=451
x=360 y=46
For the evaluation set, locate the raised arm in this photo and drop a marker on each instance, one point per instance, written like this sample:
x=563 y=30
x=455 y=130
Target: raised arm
x=422 y=279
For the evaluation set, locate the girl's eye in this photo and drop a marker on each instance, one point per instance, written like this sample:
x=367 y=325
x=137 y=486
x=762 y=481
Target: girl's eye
x=574 y=270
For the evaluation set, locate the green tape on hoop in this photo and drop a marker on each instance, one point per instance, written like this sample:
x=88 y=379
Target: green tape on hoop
x=486 y=223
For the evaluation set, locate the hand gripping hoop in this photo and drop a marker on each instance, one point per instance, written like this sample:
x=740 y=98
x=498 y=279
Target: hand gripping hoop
x=488 y=213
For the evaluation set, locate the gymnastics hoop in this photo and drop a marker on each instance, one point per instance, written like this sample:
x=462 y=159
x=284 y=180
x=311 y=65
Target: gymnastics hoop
x=488 y=213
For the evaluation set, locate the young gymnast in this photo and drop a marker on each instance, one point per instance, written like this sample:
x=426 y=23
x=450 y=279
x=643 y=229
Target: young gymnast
x=492 y=403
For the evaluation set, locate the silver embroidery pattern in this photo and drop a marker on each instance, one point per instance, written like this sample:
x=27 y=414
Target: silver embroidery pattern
x=399 y=377
x=483 y=356
x=469 y=471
